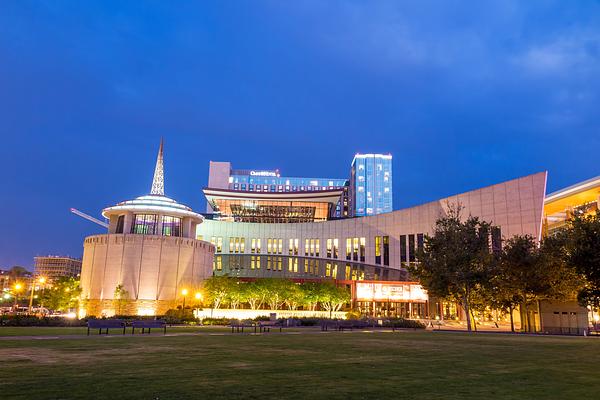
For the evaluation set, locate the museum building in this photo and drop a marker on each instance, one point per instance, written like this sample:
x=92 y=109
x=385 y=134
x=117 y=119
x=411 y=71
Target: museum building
x=149 y=253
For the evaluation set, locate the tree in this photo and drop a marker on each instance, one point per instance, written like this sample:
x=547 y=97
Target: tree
x=292 y=295
x=63 y=295
x=310 y=295
x=238 y=294
x=333 y=297
x=583 y=253
x=120 y=298
x=275 y=292
x=17 y=272
x=217 y=289
x=454 y=261
x=256 y=294
x=529 y=273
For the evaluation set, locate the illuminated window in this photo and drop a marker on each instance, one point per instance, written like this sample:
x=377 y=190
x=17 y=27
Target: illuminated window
x=218 y=243
x=377 y=249
x=242 y=245
x=144 y=224
x=317 y=247
x=306 y=247
x=269 y=248
x=348 y=248
x=312 y=247
x=355 y=249
x=258 y=246
x=218 y=263
x=280 y=248
x=329 y=248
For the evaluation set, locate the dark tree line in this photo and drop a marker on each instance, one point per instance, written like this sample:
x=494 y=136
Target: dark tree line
x=458 y=264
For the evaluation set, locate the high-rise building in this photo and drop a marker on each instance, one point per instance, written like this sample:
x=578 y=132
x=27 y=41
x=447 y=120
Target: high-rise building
x=371 y=184
x=53 y=267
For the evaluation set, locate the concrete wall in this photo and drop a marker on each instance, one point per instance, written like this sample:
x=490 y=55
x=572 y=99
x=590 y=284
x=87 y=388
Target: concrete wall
x=153 y=270
x=515 y=206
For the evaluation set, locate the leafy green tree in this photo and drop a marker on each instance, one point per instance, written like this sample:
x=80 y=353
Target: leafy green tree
x=292 y=295
x=238 y=294
x=217 y=289
x=275 y=292
x=454 y=261
x=311 y=295
x=256 y=294
x=333 y=297
x=120 y=298
x=530 y=273
x=63 y=295
x=583 y=253
x=17 y=272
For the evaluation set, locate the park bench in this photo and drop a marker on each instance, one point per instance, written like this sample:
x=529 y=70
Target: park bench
x=344 y=324
x=239 y=326
x=148 y=324
x=107 y=324
x=266 y=326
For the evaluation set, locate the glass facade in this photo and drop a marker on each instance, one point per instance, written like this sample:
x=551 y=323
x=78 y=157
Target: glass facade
x=144 y=224
x=371 y=183
x=271 y=181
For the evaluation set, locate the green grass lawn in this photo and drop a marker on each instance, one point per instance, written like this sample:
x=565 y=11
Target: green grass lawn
x=401 y=365
x=81 y=330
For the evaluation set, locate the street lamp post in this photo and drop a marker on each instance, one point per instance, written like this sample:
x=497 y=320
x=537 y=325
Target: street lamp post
x=41 y=280
x=18 y=287
x=184 y=293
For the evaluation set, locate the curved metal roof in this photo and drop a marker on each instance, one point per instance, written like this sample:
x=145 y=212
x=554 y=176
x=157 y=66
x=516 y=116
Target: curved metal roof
x=153 y=204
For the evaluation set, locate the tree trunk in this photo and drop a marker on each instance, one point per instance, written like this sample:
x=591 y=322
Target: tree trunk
x=539 y=307
x=474 y=321
x=467 y=311
x=512 y=322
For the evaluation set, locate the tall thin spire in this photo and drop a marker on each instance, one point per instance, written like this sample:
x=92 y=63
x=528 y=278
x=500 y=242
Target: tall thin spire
x=158 y=183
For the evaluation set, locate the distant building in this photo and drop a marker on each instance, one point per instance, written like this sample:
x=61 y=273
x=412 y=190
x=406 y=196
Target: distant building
x=371 y=184
x=4 y=279
x=54 y=267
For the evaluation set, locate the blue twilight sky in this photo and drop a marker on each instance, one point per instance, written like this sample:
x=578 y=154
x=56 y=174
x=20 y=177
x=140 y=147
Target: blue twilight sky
x=463 y=94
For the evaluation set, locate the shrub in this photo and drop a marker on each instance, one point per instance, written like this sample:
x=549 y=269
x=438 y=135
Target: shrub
x=175 y=317
x=216 y=321
x=353 y=315
x=406 y=323
x=30 y=320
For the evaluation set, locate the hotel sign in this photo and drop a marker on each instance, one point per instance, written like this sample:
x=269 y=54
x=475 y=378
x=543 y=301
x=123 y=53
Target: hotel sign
x=264 y=173
x=390 y=292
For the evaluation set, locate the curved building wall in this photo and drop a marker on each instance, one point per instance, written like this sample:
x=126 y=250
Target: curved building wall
x=152 y=269
x=514 y=206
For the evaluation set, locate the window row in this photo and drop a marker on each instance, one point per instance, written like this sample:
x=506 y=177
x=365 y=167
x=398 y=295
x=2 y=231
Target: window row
x=148 y=224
